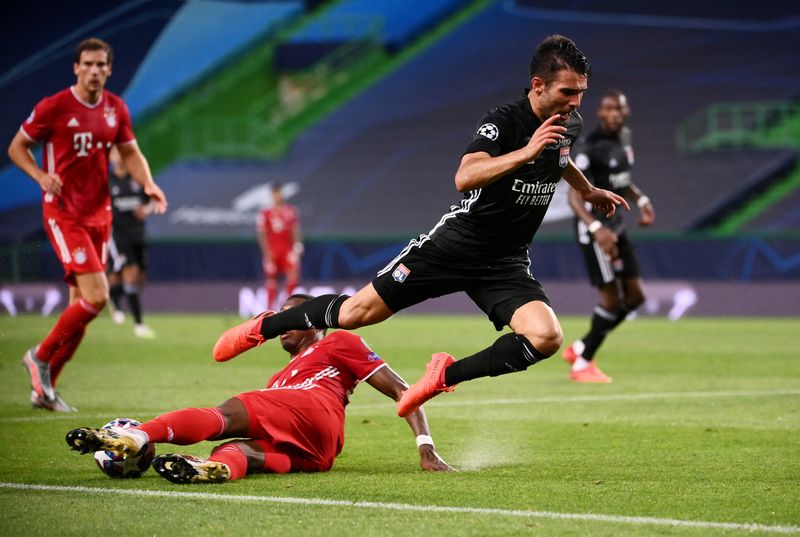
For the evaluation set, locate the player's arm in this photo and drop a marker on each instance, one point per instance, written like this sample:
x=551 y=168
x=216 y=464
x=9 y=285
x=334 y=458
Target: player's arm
x=19 y=151
x=603 y=200
x=605 y=238
x=480 y=169
x=389 y=383
x=140 y=171
x=261 y=236
x=647 y=214
x=297 y=235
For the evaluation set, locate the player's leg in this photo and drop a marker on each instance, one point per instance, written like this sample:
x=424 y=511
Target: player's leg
x=116 y=261
x=60 y=344
x=332 y=311
x=271 y=283
x=227 y=462
x=73 y=246
x=180 y=427
x=364 y=308
x=618 y=297
x=132 y=277
x=509 y=297
x=606 y=315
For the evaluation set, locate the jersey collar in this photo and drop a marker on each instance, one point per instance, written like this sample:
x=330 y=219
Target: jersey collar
x=84 y=103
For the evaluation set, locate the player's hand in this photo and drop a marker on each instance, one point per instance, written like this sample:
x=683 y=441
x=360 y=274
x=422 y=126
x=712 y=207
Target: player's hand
x=547 y=134
x=605 y=201
x=157 y=197
x=607 y=240
x=430 y=461
x=51 y=183
x=647 y=215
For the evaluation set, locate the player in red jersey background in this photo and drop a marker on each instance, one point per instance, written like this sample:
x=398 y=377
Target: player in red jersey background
x=278 y=232
x=294 y=424
x=77 y=127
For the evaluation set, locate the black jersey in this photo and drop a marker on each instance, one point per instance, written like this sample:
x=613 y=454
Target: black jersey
x=606 y=158
x=498 y=221
x=126 y=196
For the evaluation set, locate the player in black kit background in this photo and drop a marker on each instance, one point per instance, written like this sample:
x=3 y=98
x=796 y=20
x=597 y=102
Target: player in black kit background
x=606 y=158
x=128 y=247
x=507 y=175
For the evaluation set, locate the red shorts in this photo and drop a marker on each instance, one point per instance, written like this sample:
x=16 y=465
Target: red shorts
x=303 y=424
x=81 y=249
x=282 y=261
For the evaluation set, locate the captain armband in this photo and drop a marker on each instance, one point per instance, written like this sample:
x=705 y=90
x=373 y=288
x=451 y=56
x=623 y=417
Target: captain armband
x=642 y=201
x=594 y=226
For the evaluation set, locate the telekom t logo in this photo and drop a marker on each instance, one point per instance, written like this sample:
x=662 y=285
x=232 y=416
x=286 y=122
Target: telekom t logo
x=82 y=141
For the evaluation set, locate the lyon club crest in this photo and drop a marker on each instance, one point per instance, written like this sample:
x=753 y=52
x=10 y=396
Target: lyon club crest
x=400 y=273
x=563 y=156
x=111 y=116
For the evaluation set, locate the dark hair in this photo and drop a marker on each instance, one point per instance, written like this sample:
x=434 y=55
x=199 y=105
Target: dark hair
x=555 y=53
x=93 y=43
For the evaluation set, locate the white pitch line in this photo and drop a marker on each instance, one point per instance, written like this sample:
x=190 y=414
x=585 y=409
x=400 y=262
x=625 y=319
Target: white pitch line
x=592 y=398
x=614 y=519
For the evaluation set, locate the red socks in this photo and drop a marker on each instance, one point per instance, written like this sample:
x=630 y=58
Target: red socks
x=72 y=321
x=231 y=455
x=185 y=427
x=63 y=354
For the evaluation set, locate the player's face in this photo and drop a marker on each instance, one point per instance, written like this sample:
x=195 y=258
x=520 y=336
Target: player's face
x=295 y=341
x=561 y=96
x=92 y=71
x=611 y=113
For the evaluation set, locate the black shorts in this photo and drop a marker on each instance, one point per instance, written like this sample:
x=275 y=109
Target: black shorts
x=125 y=251
x=602 y=270
x=423 y=271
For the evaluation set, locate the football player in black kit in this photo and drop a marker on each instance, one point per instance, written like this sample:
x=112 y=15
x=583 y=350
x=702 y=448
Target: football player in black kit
x=507 y=175
x=128 y=246
x=606 y=158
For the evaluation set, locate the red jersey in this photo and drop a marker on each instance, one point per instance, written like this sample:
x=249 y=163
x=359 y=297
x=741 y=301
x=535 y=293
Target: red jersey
x=331 y=367
x=77 y=137
x=278 y=224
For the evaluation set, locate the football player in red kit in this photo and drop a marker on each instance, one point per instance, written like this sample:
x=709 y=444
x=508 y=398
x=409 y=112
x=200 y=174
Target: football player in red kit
x=295 y=424
x=278 y=232
x=77 y=127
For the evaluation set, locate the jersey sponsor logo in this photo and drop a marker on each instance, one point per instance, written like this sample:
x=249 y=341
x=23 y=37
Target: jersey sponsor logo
x=563 y=156
x=489 y=130
x=533 y=193
x=82 y=142
x=79 y=255
x=401 y=273
x=73 y=123
x=110 y=114
x=564 y=142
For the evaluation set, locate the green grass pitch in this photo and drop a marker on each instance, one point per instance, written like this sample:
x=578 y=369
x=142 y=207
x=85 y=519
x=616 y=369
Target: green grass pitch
x=697 y=435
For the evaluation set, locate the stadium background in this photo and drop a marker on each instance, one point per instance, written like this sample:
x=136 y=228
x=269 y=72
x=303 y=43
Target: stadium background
x=366 y=106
